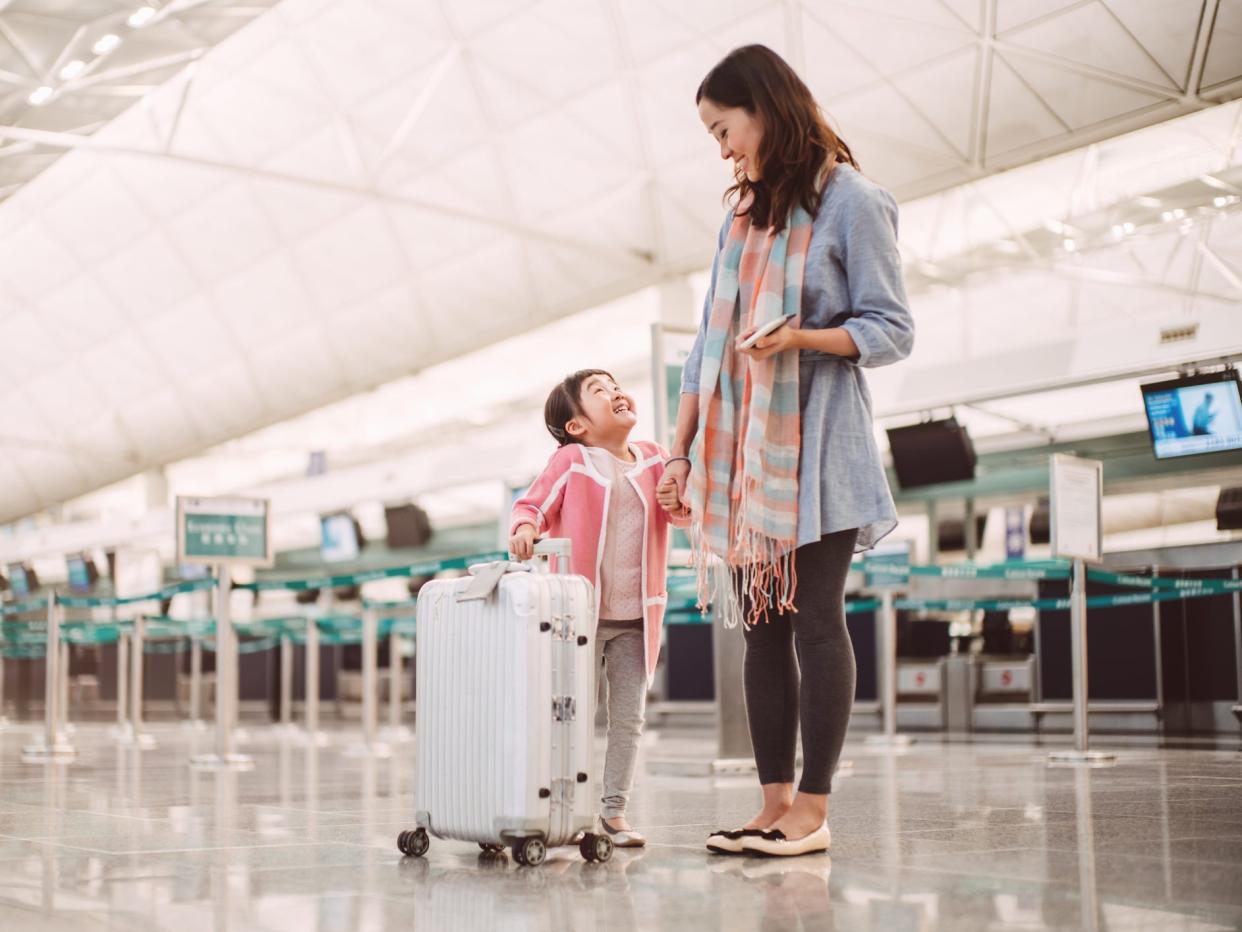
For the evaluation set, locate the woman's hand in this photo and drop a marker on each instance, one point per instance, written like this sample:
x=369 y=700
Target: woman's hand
x=522 y=543
x=778 y=341
x=670 y=493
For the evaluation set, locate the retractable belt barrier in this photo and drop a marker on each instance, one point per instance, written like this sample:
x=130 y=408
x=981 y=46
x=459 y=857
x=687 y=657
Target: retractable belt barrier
x=1159 y=589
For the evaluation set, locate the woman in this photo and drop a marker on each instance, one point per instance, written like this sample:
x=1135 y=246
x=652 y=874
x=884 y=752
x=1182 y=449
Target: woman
x=787 y=491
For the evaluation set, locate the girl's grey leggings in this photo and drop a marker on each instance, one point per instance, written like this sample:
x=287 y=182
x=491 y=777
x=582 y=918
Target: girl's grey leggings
x=799 y=671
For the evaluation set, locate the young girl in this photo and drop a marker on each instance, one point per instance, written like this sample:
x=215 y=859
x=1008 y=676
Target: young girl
x=599 y=490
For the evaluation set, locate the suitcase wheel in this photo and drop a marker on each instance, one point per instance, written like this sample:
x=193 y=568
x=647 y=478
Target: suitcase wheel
x=491 y=849
x=414 y=844
x=595 y=848
x=530 y=852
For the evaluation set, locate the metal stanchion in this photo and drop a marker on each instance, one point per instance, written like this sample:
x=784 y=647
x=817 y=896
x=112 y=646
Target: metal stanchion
x=136 y=736
x=286 y=683
x=371 y=745
x=311 y=712
x=4 y=722
x=734 y=754
x=196 y=683
x=1237 y=647
x=1078 y=657
x=395 y=731
x=53 y=743
x=886 y=622
x=62 y=708
x=225 y=754
x=122 y=729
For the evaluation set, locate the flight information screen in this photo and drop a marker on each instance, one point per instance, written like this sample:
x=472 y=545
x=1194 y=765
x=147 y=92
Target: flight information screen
x=1198 y=414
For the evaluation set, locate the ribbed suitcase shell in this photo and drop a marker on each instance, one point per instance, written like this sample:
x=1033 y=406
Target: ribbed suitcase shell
x=494 y=759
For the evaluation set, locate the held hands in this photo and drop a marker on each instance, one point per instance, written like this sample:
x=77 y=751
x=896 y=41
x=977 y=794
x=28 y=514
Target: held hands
x=522 y=543
x=782 y=339
x=670 y=493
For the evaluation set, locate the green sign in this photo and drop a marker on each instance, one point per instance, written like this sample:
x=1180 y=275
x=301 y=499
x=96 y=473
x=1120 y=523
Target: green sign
x=887 y=567
x=223 y=530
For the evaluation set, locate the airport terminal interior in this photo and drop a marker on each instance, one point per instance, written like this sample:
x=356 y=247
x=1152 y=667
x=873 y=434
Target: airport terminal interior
x=284 y=286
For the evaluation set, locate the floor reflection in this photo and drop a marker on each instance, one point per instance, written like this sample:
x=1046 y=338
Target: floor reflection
x=940 y=837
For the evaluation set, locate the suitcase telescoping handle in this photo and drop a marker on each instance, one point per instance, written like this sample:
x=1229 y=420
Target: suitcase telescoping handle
x=485 y=577
x=557 y=550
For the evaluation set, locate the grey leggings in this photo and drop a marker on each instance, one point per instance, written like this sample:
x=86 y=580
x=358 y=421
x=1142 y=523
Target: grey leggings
x=814 y=642
x=619 y=657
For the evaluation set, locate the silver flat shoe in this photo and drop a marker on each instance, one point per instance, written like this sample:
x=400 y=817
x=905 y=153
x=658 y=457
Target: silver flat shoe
x=622 y=837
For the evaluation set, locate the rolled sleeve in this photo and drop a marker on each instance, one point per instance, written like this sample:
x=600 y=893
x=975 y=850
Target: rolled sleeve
x=881 y=326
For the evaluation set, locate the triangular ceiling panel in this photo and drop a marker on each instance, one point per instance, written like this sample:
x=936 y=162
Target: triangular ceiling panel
x=1164 y=29
x=832 y=68
x=1091 y=35
x=970 y=12
x=868 y=113
x=934 y=13
x=1016 y=115
x=1224 y=54
x=1080 y=100
x=943 y=92
x=907 y=43
x=1010 y=14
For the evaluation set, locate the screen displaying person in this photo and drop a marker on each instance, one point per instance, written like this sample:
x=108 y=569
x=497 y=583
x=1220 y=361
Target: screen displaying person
x=1201 y=421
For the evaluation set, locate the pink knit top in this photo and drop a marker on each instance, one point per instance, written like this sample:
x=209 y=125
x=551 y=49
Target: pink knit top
x=621 y=570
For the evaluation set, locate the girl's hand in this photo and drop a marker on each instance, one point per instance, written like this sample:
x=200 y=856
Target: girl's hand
x=522 y=543
x=670 y=493
x=780 y=340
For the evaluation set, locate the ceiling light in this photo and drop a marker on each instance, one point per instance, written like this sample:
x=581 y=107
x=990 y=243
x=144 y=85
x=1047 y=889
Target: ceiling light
x=1224 y=200
x=141 y=16
x=1166 y=215
x=1069 y=245
x=72 y=69
x=106 y=43
x=1118 y=231
x=1178 y=213
x=1127 y=227
x=1213 y=182
x=41 y=95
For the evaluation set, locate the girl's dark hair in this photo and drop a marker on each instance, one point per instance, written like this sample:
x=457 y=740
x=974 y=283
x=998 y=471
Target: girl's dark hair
x=563 y=404
x=797 y=141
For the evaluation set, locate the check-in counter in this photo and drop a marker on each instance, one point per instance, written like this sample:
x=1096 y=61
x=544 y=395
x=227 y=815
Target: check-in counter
x=920 y=695
x=1002 y=693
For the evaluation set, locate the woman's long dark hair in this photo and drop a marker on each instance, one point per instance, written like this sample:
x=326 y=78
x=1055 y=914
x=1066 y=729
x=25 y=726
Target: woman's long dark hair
x=797 y=141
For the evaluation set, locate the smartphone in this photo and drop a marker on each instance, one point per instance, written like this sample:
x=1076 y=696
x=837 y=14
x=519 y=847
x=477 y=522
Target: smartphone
x=770 y=327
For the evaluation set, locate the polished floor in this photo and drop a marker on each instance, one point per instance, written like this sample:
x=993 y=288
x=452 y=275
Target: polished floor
x=938 y=837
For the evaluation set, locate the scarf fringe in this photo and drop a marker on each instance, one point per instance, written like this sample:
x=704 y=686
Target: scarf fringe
x=768 y=577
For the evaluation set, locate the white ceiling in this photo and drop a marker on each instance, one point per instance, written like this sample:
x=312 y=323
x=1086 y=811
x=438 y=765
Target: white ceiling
x=345 y=192
x=74 y=65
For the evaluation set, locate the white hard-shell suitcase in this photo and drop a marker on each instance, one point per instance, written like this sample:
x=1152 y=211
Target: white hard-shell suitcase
x=506 y=711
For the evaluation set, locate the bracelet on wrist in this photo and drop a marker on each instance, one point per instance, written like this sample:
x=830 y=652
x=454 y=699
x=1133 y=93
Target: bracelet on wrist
x=674 y=459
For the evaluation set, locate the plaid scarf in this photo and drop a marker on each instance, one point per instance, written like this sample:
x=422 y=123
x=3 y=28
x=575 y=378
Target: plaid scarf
x=743 y=486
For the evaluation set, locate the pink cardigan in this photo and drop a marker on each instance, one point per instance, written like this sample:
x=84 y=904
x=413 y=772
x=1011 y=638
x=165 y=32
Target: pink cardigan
x=570 y=499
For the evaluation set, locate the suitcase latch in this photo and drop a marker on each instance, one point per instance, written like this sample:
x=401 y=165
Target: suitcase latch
x=563 y=708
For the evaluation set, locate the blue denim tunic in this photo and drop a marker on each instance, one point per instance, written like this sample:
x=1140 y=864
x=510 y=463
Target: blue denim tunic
x=852 y=280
